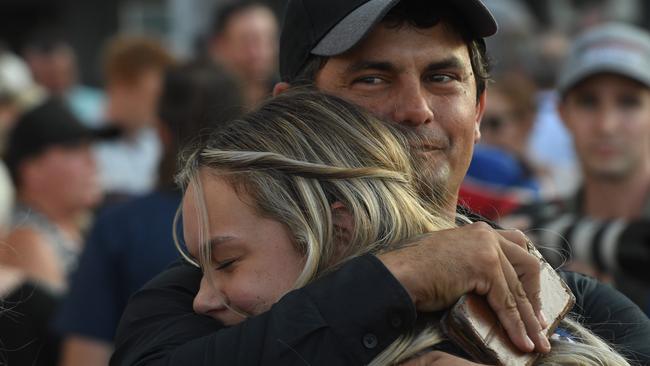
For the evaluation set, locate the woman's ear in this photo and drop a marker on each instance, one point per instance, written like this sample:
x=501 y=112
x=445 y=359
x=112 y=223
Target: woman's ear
x=343 y=222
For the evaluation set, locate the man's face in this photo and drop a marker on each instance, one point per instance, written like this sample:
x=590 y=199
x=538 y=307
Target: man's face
x=609 y=118
x=68 y=174
x=140 y=99
x=422 y=79
x=56 y=71
x=249 y=44
x=503 y=124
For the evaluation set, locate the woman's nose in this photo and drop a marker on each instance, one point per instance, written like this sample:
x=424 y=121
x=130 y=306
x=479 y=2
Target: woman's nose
x=208 y=298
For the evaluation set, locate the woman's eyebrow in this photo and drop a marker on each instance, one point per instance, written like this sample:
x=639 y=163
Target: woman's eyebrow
x=217 y=240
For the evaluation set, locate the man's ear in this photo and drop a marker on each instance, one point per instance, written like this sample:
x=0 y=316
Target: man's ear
x=563 y=113
x=480 y=111
x=30 y=170
x=280 y=87
x=216 y=46
x=343 y=222
x=164 y=134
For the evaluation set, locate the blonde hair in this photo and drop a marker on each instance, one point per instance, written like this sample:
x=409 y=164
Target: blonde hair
x=299 y=153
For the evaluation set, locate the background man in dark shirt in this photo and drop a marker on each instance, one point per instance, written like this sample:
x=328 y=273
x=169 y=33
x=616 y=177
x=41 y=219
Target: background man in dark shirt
x=601 y=230
x=427 y=73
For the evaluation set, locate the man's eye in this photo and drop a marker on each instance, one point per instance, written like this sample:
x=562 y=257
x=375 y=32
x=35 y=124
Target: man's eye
x=439 y=78
x=586 y=101
x=629 y=101
x=371 y=80
x=225 y=264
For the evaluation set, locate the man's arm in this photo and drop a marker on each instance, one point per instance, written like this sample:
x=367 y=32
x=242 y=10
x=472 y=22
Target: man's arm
x=332 y=321
x=347 y=317
x=81 y=351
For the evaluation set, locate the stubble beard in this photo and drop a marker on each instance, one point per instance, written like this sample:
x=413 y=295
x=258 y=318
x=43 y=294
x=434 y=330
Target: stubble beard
x=432 y=184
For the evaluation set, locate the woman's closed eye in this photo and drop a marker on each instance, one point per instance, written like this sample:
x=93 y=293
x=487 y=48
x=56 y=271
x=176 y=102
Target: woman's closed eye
x=221 y=265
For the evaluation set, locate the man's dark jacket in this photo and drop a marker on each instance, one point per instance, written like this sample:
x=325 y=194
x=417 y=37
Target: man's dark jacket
x=345 y=318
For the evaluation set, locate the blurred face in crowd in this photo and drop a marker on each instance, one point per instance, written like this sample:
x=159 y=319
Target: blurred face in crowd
x=138 y=99
x=9 y=112
x=248 y=44
x=609 y=118
x=55 y=70
x=422 y=79
x=503 y=126
x=66 y=174
x=254 y=261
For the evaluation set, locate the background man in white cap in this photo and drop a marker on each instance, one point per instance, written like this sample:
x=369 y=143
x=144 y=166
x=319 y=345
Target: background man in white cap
x=420 y=64
x=605 y=104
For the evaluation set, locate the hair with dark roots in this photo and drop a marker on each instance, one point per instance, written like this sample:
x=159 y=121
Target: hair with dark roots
x=421 y=15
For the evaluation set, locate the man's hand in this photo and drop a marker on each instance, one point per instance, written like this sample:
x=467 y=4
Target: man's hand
x=442 y=266
x=437 y=358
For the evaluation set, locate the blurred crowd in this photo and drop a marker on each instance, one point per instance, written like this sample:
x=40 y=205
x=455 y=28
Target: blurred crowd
x=87 y=195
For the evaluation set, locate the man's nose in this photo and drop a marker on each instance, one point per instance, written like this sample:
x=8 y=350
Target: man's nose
x=208 y=298
x=607 y=122
x=412 y=105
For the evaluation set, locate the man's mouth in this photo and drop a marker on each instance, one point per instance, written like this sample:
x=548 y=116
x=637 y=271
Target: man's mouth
x=427 y=147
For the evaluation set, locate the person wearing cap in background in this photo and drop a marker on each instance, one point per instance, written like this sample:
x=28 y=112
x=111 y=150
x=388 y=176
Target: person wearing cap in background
x=604 y=228
x=422 y=65
x=50 y=162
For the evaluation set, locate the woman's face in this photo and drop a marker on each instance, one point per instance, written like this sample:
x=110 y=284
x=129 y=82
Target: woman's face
x=254 y=262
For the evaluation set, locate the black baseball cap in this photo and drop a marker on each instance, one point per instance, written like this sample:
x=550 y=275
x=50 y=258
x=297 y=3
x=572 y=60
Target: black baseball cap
x=332 y=27
x=50 y=123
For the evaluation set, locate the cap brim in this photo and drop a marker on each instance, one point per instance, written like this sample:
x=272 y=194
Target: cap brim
x=354 y=27
x=478 y=17
x=105 y=133
x=571 y=79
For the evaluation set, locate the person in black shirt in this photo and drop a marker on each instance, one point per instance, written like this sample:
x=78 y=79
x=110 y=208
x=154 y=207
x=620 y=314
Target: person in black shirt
x=428 y=75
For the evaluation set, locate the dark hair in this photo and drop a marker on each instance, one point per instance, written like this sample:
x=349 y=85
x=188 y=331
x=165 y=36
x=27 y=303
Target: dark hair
x=196 y=97
x=229 y=9
x=418 y=14
x=45 y=41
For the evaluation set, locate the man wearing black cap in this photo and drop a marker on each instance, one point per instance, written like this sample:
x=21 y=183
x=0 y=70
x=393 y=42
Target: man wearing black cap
x=420 y=64
x=51 y=164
